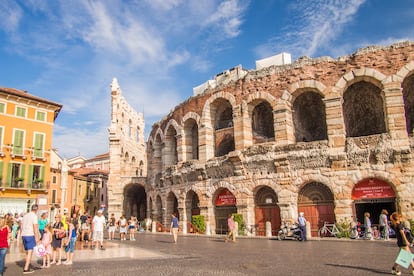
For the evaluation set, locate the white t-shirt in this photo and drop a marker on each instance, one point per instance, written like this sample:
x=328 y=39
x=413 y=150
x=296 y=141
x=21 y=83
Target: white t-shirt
x=28 y=221
x=98 y=223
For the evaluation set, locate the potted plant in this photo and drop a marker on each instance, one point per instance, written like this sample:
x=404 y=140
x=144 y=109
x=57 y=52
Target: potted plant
x=19 y=182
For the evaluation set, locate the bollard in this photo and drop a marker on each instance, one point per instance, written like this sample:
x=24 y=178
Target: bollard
x=154 y=227
x=268 y=229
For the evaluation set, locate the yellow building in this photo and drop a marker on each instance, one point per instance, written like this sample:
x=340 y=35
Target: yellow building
x=26 y=128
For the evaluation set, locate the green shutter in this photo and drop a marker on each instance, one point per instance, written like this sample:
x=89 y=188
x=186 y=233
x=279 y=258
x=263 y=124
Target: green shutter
x=2 y=107
x=38 y=146
x=42 y=174
x=22 y=173
x=1 y=172
x=9 y=174
x=18 y=142
x=21 y=112
x=1 y=136
x=30 y=177
x=40 y=116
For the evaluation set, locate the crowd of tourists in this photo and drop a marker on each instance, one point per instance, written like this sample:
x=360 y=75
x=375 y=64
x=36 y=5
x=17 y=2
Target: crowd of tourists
x=55 y=240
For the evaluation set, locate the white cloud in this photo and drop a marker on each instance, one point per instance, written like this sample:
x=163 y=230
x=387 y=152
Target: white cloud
x=317 y=24
x=228 y=17
x=10 y=14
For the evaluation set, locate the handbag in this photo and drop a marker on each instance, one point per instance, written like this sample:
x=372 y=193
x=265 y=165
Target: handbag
x=60 y=235
x=404 y=258
x=39 y=250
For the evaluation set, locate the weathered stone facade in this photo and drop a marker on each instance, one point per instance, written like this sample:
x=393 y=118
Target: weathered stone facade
x=303 y=136
x=127 y=158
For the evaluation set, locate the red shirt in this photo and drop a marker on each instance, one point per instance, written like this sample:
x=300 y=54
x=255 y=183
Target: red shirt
x=4 y=233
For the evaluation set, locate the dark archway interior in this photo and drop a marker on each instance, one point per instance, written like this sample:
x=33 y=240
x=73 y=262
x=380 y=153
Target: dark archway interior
x=262 y=123
x=309 y=118
x=135 y=201
x=408 y=94
x=226 y=145
x=363 y=110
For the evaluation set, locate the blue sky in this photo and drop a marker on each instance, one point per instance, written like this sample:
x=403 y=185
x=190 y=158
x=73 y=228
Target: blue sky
x=69 y=51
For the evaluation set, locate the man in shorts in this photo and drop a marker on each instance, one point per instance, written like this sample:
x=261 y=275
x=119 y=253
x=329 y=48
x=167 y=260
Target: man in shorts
x=30 y=236
x=98 y=226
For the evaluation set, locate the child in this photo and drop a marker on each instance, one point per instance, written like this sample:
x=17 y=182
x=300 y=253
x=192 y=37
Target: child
x=47 y=243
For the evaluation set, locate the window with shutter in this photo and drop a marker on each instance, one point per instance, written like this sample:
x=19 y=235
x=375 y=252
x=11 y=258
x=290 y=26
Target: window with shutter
x=18 y=142
x=2 y=107
x=38 y=145
x=21 y=111
x=40 y=116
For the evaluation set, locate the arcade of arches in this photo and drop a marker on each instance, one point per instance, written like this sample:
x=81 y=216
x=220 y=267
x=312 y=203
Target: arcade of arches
x=331 y=138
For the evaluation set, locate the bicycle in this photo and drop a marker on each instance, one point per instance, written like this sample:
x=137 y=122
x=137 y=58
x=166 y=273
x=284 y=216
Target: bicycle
x=329 y=229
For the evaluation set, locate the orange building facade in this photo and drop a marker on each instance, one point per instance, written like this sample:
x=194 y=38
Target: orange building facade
x=26 y=128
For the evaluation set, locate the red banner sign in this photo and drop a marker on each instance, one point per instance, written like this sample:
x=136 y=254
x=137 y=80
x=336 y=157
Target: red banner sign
x=225 y=198
x=372 y=188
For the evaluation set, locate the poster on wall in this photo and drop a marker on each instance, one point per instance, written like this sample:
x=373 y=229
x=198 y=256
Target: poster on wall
x=372 y=188
x=225 y=198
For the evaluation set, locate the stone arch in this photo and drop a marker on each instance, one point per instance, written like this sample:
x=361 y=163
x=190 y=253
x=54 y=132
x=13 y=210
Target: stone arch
x=158 y=214
x=135 y=201
x=363 y=109
x=373 y=194
x=171 y=205
x=191 y=139
x=192 y=207
x=225 y=203
x=309 y=116
x=407 y=74
x=170 y=152
x=266 y=210
x=207 y=131
x=316 y=200
x=261 y=126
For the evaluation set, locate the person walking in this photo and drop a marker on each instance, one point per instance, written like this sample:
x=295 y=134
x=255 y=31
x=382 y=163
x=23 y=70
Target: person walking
x=302 y=225
x=83 y=221
x=5 y=235
x=42 y=223
x=112 y=227
x=367 y=227
x=131 y=228
x=70 y=244
x=30 y=236
x=383 y=225
x=57 y=237
x=174 y=227
x=98 y=226
x=402 y=241
x=231 y=225
x=122 y=227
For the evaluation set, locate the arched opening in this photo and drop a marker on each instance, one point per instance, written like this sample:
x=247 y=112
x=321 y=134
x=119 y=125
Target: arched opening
x=372 y=195
x=222 y=115
x=266 y=209
x=172 y=206
x=309 y=117
x=408 y=94
x=192 y=207
x=135 y=201
x=317 y=202
x=363 y=109
x=158 y=210
x=262 y=123
x=191 y=139
x=170 y=154
x=225 y=204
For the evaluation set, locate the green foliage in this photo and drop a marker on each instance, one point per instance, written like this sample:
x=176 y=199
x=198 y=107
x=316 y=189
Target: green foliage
x=198 y=222
x=344 y=226
x=239 y=219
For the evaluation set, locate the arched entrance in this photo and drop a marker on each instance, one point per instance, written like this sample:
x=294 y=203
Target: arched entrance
x=317 y=202
x=266 y=209
x=372 y=195
x=135 y=201
x=172 y=207
x=192 y=208
x=225 y=204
